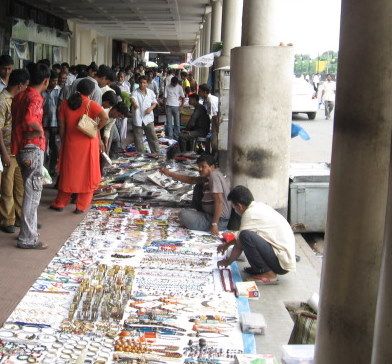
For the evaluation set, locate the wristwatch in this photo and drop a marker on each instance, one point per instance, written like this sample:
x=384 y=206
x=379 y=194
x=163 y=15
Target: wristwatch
x=214 y=224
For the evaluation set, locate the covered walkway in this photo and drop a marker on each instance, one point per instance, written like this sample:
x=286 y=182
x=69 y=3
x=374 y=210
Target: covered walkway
x=354 y=323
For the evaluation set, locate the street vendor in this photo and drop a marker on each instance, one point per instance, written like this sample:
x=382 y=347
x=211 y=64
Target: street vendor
x=214 y=211
x=265 y=237
x=198 y=125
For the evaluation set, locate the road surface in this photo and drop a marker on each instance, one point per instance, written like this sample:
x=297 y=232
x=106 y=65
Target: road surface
x=318 y=148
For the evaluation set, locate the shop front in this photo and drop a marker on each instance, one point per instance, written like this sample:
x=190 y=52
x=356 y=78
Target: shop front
x=32 y=42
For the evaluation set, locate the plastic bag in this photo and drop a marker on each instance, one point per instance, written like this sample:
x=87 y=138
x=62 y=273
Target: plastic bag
x=46 y=178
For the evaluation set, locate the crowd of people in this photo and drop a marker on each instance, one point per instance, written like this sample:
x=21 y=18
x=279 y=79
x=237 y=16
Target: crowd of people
x=66 y=117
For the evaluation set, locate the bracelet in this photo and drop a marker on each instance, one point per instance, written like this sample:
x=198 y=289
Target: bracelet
x=214 y=224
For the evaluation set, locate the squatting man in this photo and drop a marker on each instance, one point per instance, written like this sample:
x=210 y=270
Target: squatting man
x=264 y=236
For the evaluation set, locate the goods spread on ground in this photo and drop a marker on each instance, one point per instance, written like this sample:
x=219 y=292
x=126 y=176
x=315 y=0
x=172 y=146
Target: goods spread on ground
x=130 y=285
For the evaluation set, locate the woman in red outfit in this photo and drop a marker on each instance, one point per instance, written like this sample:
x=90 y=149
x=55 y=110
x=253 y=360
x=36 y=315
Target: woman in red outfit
x=79 y=159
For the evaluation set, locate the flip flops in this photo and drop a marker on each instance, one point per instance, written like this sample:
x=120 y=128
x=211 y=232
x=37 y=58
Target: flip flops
x=264 y=280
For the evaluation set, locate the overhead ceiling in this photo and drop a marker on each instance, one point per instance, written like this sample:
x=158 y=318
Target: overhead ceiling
x=157 y=25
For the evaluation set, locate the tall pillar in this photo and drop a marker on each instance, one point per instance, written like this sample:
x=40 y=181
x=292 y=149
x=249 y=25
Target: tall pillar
x=231 y=29
x=207 y=33
x=382 y=348
x=260 y=113
x=358 y=185
x=216 y=23
x=204 y=71
x=196 y=70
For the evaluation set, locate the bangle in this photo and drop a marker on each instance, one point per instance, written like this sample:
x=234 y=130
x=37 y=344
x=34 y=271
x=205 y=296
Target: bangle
x=214 y=224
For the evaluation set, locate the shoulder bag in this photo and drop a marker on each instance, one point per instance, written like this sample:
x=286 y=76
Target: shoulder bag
x=87 y=125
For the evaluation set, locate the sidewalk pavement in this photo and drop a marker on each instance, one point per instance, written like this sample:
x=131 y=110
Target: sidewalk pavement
x=20 y=268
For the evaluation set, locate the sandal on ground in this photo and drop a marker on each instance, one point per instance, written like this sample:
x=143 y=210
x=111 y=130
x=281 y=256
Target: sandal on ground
x=264 y=280
x=251 y=271
x=39 y=246
x=77 y=212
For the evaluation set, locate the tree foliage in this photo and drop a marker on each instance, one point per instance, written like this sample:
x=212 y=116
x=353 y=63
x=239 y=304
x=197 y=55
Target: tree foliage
x=327 y=62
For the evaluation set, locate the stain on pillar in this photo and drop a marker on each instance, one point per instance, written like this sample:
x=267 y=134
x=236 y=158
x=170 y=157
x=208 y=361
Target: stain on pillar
x=253 y=162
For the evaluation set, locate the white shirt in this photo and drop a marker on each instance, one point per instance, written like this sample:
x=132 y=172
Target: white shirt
x=273 y=227
x=70 y=79
x=125 y=87
x=106 y=88
x=173 y=94
x=316 y=79
x=143 y=101
x=211 y=105
x=329 y=88
x=108 y=127
x=168 y=80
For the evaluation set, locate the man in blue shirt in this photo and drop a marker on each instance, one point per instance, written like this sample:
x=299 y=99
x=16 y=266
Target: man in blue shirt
x=51 y=103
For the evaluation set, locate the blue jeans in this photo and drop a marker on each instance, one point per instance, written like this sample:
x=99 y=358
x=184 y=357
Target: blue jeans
x=199 y=220
x=172 y=125
x=30 y=160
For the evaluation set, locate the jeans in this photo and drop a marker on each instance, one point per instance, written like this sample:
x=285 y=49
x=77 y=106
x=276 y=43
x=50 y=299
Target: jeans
x=150 y=135
x=188 y=139
x=259 y=252
x=30 y=160
x=329 y=105
x=53 y=149
x=199 y=220
x=172 y=125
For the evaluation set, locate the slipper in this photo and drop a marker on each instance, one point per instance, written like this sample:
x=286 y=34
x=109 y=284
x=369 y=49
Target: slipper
x=39 y=246
x=264 y=280
x=251 y=271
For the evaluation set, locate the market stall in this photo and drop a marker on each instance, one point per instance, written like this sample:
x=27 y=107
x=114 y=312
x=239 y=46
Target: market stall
x=130 y=285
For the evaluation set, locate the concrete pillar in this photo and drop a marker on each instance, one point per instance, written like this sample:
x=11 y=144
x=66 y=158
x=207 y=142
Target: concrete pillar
x=231 y=29
x=196 y=70
x=216 y=23
x=207 y=33
x=358 y=185
x=382 y=348
x=204 y=71
x=266 y=30
x=260 y=114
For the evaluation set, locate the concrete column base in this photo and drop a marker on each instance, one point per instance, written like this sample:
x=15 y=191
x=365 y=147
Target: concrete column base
x=260 y=121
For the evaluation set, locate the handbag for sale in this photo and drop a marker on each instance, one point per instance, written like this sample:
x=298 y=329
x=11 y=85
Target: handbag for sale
x=87 y=125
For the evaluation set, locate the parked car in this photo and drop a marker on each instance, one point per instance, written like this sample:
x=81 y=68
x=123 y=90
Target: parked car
x=304 y=99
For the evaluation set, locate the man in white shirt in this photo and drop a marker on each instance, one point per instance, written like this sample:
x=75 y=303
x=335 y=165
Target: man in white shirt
x=328 y=95
x=174 y=98
x=143 y=103
x=265 y=237
x=211 y=103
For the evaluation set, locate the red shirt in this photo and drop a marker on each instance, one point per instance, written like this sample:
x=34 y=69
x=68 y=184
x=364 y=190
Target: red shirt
x=26 y=108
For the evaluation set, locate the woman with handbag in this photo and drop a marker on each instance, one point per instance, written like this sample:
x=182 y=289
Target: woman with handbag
x=80 y=119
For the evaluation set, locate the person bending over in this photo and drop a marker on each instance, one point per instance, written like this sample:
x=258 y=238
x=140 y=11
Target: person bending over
x=265 y=237
x=215 y=209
